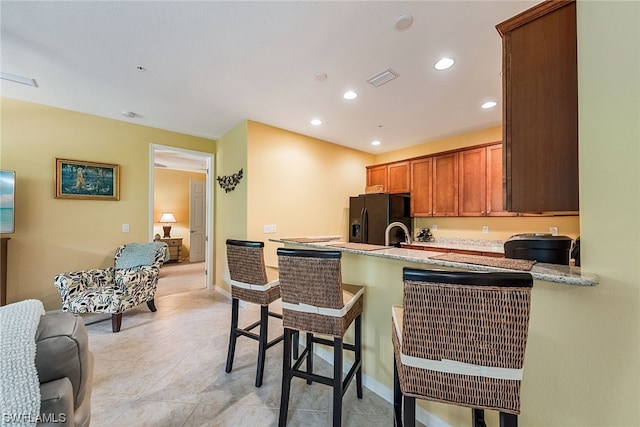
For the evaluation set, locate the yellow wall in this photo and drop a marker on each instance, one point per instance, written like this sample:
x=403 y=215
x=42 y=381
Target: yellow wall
x=584 y=348
x=171 y=194
x=56 y=235
x=231 y=207
x=300 y=184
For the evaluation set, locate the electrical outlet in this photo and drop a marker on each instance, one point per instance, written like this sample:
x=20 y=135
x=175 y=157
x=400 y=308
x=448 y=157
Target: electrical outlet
x=269 y=228
x=434 y=227
x=485 y=229
x=553 y=231
x=125 y=228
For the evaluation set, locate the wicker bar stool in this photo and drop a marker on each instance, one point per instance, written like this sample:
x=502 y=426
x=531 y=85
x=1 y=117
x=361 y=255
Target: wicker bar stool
x=460 y=338
x=249 y=283
x=315 y=300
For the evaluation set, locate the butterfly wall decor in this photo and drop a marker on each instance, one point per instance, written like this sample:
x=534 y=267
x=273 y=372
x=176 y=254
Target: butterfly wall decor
x=229 y=182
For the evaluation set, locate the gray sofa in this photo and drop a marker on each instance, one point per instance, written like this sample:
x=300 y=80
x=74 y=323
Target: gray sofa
x=65 y=370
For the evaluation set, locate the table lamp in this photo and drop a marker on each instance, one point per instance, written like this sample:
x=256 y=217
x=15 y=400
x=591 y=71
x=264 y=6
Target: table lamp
x=167 y=218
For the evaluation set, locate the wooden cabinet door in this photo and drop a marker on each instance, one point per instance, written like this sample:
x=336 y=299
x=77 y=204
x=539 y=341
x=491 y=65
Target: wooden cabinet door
x=540 y=91
x=445 y=185
x=421 y=187
x=398 y=177
x=495 y=183
x=472 y=196
x=377 y=175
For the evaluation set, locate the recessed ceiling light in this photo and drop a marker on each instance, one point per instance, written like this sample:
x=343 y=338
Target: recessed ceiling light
x=376 y=142
x=316 y=122
x=403 y=22
x=489 y=104
x=350 y=95
x=444 y=63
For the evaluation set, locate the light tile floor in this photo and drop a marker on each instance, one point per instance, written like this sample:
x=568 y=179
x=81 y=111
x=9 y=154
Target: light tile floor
x=167 y=368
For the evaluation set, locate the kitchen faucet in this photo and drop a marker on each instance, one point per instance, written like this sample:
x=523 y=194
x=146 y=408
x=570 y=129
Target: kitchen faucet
x=407 y=237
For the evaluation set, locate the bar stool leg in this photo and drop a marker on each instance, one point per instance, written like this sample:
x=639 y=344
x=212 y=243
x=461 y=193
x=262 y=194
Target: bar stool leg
x=397 y=396
x=337 y=382
x=409 y=411
x=233 y=335
x=296 y=344
x=309 y=355
x=478 y=418
x=286 y=379
x=508 y=420
x=358 y=355
x=262 y=342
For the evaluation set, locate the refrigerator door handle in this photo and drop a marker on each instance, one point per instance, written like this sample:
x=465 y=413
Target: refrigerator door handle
x=365 y=225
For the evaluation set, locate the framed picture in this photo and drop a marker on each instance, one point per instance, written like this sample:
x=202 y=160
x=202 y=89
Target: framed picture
x=76 y=179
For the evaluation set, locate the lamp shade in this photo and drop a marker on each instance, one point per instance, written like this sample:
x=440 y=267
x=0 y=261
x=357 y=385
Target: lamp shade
x=167 y=217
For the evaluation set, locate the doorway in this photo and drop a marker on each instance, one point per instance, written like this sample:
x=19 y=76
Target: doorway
x=180 y=159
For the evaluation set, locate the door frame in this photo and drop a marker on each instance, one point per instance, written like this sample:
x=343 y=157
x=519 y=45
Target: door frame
x=208 y=158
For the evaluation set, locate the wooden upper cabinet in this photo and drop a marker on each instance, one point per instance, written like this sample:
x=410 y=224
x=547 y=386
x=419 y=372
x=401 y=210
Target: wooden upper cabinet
x=445 y=185
x=540 y=99
x=495 y=182
x=421 y=187
x=480 y=187
x=377 y=175
x=472 y=196
x=399 y=177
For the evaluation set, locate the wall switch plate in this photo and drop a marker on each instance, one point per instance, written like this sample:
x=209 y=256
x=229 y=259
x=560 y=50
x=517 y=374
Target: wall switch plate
x=125 y=228
x=485 y=229
x=269 y=228
x=434 y=227
x=553 y=231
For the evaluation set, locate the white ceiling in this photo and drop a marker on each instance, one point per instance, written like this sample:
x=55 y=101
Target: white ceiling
x=211 y=64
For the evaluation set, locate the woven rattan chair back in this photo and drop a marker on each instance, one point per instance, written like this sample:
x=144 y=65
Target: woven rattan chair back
x=479 y=319
x=313 y=278
x=246 y=266
x=310 y=277
x=246 y=262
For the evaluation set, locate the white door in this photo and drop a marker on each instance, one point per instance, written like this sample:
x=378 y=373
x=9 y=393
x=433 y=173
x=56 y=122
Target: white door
x=197 y=220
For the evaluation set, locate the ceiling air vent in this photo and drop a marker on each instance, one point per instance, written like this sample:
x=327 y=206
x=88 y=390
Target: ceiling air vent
x=382 y=77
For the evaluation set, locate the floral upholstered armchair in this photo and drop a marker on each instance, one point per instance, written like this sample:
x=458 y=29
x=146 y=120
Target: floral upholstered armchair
x=130 y=282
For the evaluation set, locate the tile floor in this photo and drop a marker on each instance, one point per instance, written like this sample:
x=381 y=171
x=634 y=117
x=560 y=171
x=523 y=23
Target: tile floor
x=167 y=368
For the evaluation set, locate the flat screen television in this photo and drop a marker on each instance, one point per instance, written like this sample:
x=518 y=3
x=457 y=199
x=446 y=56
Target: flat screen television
x=7 y=201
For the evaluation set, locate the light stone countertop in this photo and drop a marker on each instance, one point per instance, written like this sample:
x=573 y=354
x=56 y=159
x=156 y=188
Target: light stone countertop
x=564 y=274
x=477 y=245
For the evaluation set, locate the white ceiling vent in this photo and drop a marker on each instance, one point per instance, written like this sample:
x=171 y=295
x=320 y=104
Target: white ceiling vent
x=382 y=77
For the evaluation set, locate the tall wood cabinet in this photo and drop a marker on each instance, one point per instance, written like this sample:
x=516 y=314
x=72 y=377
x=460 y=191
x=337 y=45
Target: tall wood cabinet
x=540 y=91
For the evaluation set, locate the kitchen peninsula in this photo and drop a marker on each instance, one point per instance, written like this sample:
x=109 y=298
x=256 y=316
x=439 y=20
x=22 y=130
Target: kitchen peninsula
x=380 y=271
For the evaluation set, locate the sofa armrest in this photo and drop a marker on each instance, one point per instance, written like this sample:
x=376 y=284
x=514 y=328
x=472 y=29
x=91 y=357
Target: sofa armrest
x=56 y=403
x=62 y=351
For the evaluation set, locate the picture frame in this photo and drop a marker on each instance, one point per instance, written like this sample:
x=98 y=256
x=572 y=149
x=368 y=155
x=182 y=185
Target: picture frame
x=77 y=179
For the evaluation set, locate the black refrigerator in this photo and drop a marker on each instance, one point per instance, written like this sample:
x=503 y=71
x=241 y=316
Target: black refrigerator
x=369 y=215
